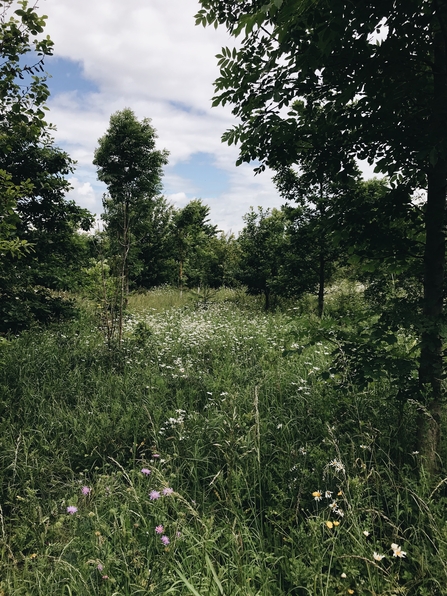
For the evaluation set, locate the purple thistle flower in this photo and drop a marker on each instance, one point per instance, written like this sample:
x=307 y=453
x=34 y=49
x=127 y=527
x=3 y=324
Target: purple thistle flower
x=71 y=509
x=165 y=540
x=156 y=455
x=159 y=530
x=154 y=495
x=99 y=567
x=145 y=471
x=85 y=490
x=167 y=491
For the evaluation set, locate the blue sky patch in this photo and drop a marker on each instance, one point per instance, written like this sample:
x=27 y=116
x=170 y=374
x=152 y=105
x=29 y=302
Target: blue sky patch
x=67 y=75
x=209 y=180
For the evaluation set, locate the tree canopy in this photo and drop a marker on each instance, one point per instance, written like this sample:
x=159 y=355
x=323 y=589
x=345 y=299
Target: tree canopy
x=337 y=80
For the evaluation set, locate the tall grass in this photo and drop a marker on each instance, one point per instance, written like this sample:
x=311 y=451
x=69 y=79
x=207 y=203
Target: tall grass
x=283 y=482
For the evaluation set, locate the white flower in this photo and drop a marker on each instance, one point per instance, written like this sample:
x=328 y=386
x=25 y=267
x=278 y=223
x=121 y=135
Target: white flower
x=343 y=575
x=366 y=533
x=337 y=465
x=328 y=494
x=317 y=495
x=398 y=552
x=378 y=557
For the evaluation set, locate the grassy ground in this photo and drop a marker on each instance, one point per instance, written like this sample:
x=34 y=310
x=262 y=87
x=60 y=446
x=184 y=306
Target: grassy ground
x=202 y=460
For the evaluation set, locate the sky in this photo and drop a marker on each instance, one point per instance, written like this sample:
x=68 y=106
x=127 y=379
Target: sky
x=149 y=56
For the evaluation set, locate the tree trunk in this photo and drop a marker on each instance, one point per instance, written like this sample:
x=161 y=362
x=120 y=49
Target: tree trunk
x=321 y=285
x=431 y=359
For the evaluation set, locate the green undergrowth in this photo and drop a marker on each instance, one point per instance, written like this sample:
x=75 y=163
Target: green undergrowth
x=222 y=450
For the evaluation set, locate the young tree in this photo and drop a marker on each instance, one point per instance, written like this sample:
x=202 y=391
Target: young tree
x=373 y=79
x=192 y=233
x=131 y=167
x=264 y=245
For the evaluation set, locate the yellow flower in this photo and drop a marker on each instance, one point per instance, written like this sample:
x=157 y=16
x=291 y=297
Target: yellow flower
x=33 y=556
x=350 y=591
x=329 y=524
x=336 y=523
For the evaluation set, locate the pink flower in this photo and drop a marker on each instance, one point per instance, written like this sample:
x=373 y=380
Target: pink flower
x=154 y=495
x=156 y=455
x=165 y=540
x=85 y=490
x=72 y=509
x=105 y=577
x=99 y=567
x=145 y=471
x=159 y=529
x=167 y=491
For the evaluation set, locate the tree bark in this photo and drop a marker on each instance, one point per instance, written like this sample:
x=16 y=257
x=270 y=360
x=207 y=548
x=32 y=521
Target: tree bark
x=431 y=359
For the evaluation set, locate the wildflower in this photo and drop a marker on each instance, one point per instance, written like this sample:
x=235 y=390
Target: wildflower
x=167 y=491
x=33 y=556
x=329 y=525
x=165 y=540
x=366 y=533
x=339 y=512
x=155 y=455
x=377 y=556
x=397 y=551
x=343 y=575
x=328 y=494
x=85 y=490
x=159 y=529
x=333 y=505
x=145 y=471
x=336 y=523
x=317 y=495
x=350 y=591
x=97 y=533
x=154 y=495
x=337 y=465
x=99 y=567
x=105 y=577
x=72 y=509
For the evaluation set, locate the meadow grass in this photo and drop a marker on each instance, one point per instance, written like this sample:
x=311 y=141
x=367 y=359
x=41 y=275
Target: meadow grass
x=200 y=459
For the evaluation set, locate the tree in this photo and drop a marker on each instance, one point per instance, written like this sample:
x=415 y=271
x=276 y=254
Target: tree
x=264 y=244
x=192 y=232
x=128 y=163
x=152 y=258
x=38 y=227
x=23 y=93
x=373 y=78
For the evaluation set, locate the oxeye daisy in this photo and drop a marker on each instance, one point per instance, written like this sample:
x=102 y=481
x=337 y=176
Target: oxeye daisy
x=377 y=556
x=398 y=552
x=317 y=495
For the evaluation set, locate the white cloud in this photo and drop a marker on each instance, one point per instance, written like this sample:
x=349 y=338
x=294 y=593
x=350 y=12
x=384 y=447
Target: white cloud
x=148 y=55
x=83 y=194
